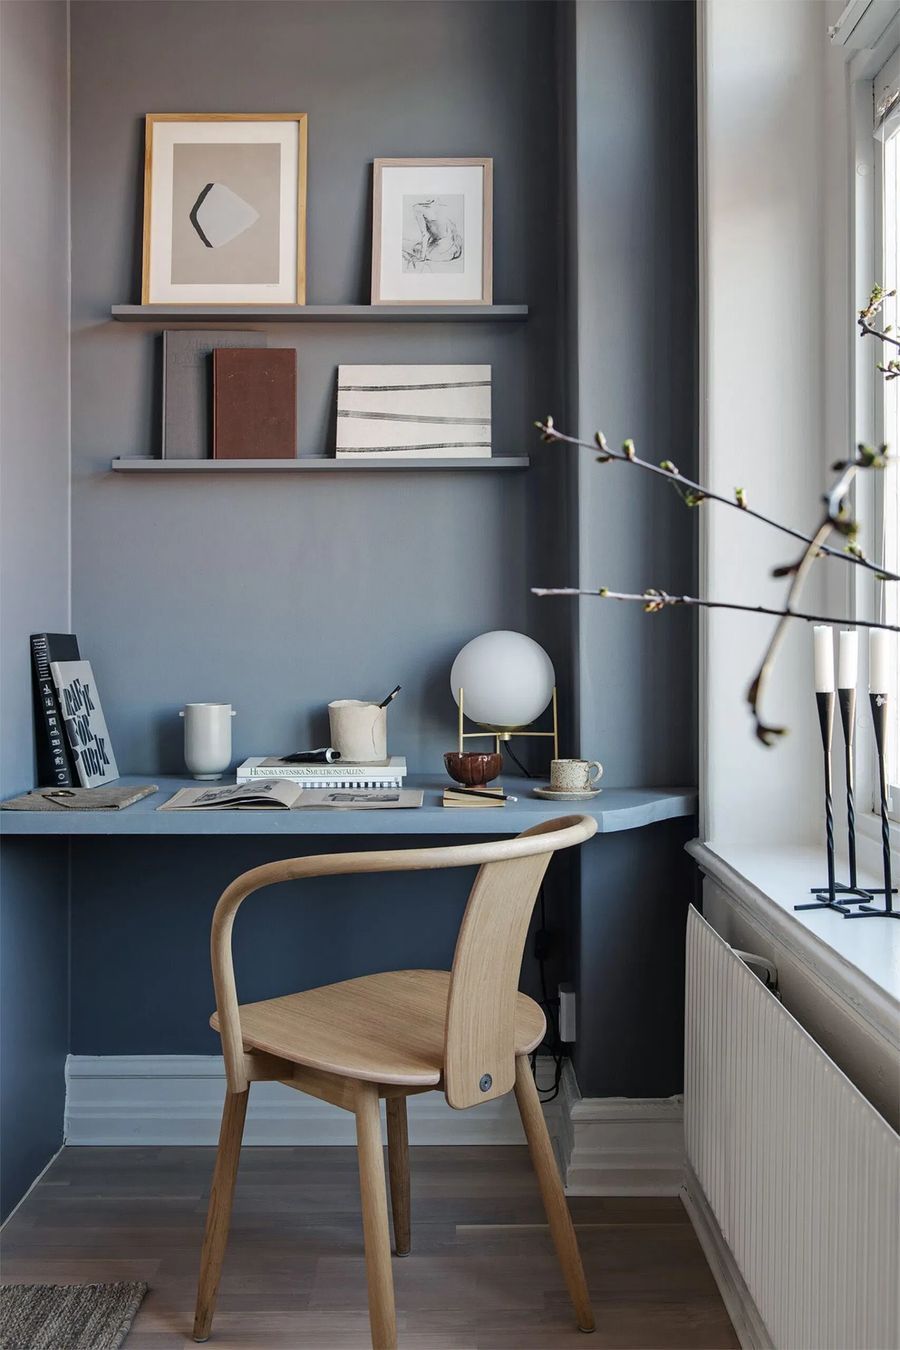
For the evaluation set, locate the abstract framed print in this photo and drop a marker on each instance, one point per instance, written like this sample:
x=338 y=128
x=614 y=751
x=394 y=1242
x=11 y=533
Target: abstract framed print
x=432 y=232
x=225 y=209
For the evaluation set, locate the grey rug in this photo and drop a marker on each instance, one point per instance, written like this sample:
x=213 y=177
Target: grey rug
x=67 y=1316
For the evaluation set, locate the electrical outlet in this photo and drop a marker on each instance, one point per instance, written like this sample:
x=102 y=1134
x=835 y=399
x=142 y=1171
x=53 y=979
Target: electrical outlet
x=567 y=1025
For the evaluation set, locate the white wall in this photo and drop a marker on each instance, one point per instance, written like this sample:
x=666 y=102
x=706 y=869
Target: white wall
x=775 y=307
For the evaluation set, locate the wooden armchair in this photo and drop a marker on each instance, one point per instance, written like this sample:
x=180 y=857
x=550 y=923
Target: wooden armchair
x=467 y=1032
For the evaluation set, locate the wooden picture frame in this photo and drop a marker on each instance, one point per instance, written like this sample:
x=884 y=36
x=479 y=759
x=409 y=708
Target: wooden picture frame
x=399 y=276
x=285 y=254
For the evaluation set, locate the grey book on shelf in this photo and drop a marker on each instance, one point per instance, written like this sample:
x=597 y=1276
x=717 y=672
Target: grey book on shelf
x=187 y=387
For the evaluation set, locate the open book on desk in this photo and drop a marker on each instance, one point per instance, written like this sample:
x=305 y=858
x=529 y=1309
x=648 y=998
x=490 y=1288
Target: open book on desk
x=282 y=795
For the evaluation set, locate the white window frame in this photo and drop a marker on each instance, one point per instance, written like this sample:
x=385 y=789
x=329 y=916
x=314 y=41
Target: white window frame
x=886 y=78
x=860 y=596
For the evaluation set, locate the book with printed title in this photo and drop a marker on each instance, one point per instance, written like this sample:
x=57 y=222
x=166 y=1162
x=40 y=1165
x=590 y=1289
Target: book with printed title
x=55 y=762
x=84 y=723
x=187 y=387
x=384 y=773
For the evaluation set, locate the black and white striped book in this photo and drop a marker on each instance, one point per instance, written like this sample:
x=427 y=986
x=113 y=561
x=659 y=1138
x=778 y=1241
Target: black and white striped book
x=414 y=412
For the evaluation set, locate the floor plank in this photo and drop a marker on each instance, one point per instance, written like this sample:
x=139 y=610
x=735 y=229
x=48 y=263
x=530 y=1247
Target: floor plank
x=482 y=1274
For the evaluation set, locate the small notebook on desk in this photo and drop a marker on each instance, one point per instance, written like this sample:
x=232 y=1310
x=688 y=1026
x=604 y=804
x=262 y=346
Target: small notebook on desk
x=281 y=795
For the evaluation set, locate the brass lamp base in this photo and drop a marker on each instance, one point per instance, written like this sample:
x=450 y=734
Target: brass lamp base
x=500 y=734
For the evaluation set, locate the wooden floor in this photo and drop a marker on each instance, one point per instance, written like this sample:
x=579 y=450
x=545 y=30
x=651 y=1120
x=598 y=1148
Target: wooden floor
x=482 y=1274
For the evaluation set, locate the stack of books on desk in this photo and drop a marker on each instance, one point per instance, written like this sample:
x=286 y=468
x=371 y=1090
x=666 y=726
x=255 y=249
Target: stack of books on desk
x=388 y=773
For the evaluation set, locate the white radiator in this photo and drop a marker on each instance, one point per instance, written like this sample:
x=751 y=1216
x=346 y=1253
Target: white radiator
x=799 y=1170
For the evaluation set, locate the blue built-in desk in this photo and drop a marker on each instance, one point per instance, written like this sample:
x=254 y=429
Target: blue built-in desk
x=614 y=809
x=142 y=885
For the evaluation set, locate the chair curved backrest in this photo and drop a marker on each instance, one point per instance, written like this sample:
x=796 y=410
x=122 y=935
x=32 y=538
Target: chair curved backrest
x=484 y=981
x=479 y=1044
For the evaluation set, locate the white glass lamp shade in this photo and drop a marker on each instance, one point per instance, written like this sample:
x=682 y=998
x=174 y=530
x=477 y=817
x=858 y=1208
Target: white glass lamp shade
x=507 y=680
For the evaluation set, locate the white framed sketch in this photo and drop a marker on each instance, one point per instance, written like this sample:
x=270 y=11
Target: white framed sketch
x=432 y=232
x=225 y=209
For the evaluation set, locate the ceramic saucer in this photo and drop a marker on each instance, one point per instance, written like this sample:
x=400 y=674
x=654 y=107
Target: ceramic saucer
x=552 y=796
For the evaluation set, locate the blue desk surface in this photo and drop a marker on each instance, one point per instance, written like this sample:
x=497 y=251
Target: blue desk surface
x=615 y=809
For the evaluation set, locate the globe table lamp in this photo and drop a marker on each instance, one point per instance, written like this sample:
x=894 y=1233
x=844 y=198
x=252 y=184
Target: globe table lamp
x=503 y=681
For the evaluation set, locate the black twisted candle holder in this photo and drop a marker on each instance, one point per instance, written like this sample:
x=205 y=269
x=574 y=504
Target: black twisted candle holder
x=853 y=891
x=827 y=896
x=879 y=704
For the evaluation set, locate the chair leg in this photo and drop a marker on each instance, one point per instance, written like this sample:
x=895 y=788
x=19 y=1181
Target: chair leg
x=398 y=1169
x=218 y=1215
x=552 y=1193
x=373 y=1192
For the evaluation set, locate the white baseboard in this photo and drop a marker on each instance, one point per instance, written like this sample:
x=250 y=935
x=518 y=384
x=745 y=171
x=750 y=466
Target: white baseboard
x=620 y=1145
x=614 y=1146
x=748 y=1325
x=177 y=1099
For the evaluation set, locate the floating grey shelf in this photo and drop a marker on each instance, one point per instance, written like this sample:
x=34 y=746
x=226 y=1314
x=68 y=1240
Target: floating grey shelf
x=166 y=314
x=146 y=464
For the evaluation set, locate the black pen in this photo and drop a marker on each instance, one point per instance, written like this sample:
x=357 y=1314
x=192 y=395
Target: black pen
x=324 y=756
x=390 y=698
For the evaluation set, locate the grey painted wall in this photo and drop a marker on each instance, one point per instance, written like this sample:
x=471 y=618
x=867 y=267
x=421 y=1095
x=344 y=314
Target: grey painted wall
x=635 y=363
x=278 y=595
x=34 y=323
x=351 y=586
x=34 y=566
x=236 y=589
x=34 y=1009
x=633 y=335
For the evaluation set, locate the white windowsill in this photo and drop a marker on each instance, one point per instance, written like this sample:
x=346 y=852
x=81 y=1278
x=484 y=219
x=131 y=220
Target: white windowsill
x=859 y=958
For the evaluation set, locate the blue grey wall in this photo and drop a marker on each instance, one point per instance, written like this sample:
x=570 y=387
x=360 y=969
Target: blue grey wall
x=280 y=594
x=243 y=589
x=34 y=567
x=632 y=331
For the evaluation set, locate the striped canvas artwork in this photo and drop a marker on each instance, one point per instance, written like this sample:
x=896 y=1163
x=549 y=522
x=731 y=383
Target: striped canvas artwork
x=414 y=412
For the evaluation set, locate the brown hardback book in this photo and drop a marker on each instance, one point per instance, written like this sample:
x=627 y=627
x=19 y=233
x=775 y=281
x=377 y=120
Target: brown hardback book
x=255 y=403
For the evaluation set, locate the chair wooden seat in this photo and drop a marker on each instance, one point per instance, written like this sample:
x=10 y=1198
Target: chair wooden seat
x=385 y=1028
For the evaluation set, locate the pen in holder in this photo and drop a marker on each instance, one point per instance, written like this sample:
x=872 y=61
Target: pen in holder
x=880 y=704
x=826 y=898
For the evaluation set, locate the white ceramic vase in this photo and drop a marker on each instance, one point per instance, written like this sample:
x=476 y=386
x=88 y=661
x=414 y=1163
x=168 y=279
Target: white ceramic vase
x=207 y=738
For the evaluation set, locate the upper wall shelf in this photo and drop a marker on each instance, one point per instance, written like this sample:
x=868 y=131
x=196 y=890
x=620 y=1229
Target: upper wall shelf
x=311 y=464
x=166 y=314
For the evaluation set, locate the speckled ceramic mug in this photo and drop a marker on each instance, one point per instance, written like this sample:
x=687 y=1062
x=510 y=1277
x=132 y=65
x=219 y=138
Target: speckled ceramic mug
x=574 y=775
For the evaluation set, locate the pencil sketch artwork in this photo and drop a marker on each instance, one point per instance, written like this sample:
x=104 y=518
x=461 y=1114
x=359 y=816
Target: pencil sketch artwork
x=433 y=233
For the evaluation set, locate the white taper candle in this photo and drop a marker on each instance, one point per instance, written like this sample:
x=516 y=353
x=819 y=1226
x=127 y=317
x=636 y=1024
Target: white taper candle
x=823 y=647
x=848 y=658
x=879 y=661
